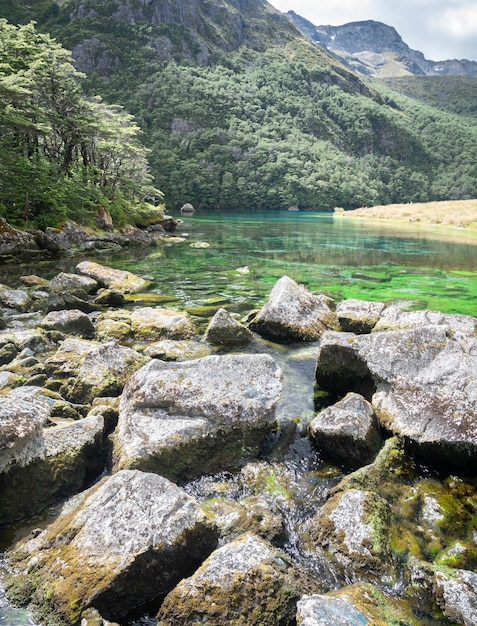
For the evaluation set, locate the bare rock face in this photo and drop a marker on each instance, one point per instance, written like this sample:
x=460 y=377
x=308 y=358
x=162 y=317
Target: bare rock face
x=188 y=417
x=393 y=318
x=129 y=541
x=347 y=431
x=244 y=582
x=90 y=369
x=292 y=313
x=422 y=382
x=110 y=278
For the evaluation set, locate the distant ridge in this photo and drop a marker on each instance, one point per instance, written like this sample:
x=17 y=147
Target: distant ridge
x=375 y=49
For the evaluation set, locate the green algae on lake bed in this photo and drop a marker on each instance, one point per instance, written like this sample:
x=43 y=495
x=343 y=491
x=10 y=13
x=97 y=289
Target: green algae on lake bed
x=248 y=252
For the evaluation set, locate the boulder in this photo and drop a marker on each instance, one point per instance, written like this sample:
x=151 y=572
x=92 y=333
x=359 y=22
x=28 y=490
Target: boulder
x=67 y=301
x=22 y=417
x=176 y=350
x=122 y=280
x=72 y=284
x=60 y=462
x=352 y=527
x=31 y=280
x=348 y=431
x=244 y=582
x=34 y=339
x=327 y=610
x=393 y=318
x=422 y=382
x=292 y=313
x=456 y=592
x=225 y=330
x=186 y=418
x=154 y=323
x=72 y=322
x=358 y=316
x=15 y=242
x=129 y=540
x=90 y=369
x=15 y=298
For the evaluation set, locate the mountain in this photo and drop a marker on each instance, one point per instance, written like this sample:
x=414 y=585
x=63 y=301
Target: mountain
x=375 y=49
x=239 y=109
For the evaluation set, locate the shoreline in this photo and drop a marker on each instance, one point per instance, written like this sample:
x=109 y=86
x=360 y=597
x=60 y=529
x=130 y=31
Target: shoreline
x=454 y=221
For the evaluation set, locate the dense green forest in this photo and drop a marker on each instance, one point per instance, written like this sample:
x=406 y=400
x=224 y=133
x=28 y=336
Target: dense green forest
x=62 y=154
x=272 y=128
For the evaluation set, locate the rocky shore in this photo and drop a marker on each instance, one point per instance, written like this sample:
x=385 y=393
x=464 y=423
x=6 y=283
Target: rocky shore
x=166 y=478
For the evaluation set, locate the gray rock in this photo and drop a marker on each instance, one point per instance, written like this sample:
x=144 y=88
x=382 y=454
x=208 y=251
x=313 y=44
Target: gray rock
x=33 y=339
x=154 y=323
x=244 y=582
x=72 y=322
x=22 y=417
x=130 y=539
x=347 y=431
x=15 y=298
x=394 y=318
x=59 y=462
x=15 y=242
x=194 y=416
x=456 y=592
x=67 y=301
x=122 y=280
x=358 y=316
x=225 y=330
x=292 y=313
x=352 y=528
x=72 y=283
x=92 y=369
x=424 y=384
x=171 y=350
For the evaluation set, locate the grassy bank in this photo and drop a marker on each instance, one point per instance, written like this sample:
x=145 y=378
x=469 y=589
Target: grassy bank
x=455 y=219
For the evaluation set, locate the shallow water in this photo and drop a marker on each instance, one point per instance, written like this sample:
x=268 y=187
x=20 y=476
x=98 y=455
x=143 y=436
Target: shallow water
x=247 y=252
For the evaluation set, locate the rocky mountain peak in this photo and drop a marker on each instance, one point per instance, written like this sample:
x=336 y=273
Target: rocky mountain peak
x=376 y=49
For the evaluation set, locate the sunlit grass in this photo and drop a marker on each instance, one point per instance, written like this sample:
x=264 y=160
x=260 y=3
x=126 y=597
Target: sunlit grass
x=455 y=218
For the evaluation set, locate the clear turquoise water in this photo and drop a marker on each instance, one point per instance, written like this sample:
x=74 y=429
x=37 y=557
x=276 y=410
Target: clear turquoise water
x=343 y=258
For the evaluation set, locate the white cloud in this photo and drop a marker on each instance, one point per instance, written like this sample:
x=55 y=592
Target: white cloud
x=459 y=22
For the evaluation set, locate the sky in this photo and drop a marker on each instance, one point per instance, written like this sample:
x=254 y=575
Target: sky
x=440 y=29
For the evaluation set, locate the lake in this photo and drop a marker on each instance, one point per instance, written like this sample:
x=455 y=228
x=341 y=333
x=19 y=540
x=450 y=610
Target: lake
x=247 y=252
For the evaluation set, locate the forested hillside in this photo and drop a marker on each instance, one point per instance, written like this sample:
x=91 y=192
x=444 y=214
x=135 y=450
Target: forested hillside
x=240 y=116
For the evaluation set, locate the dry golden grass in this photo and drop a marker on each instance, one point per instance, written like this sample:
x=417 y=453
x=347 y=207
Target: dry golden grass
x=456 y=218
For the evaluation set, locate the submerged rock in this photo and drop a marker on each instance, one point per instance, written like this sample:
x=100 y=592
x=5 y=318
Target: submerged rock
x=129 y=541
x=244 y=582
x=348 y=431
x=292 y=313
x=190 y=417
